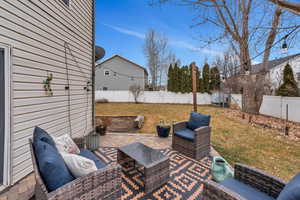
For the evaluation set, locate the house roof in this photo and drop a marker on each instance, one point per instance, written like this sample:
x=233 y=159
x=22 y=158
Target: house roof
x=125 y=59
x=273 y=63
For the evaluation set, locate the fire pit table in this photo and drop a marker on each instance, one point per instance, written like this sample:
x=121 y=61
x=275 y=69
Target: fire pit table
x=156 y=166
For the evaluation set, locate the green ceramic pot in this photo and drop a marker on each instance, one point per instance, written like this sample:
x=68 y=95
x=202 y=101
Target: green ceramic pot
x=221 y=169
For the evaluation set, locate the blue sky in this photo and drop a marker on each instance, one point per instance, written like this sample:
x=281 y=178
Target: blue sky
x=122 y=24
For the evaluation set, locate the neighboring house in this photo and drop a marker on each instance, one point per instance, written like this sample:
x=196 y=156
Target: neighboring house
x=275 y=70
x=39 y=38
x=119 y=73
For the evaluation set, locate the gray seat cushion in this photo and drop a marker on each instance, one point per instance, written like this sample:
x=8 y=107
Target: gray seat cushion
x=244 y=190
x=185 y=133
x=292 y=190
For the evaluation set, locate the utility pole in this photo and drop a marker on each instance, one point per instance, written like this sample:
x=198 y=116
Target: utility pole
x=194 y=80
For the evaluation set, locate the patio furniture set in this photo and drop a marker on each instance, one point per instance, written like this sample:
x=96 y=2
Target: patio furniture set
x=55 y=179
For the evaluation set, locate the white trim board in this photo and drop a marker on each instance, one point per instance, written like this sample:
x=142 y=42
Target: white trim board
x=7 y=146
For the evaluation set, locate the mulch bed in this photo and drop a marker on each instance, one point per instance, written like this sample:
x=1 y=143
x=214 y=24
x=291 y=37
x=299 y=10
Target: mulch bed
x=267 y=122
x=186 y=177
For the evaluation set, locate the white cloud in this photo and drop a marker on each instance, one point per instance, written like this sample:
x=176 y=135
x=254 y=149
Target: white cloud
x=177 y=43
x=126 y=31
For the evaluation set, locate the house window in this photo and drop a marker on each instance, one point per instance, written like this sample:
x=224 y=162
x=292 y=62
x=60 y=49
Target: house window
x=67 y=2
x=132 y=78
x=115 y=73
x=106 y=73
x=105 y=88
x=298 y=76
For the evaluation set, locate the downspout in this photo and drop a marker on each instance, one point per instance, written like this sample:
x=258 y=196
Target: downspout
x=93 y=67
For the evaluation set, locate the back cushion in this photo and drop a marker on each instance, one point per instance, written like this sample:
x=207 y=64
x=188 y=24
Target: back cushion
x=52 y=167
x=40 y=134
x=65 y=144
x=198 y=120
x=292 y=190
x=79 y=165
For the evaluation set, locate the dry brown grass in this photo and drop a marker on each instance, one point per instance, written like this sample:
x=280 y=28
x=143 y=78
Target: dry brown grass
x=233 y=139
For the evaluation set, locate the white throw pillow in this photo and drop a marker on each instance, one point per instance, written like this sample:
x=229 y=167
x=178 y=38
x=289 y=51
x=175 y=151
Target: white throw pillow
x=65 y=144
x=78 y=165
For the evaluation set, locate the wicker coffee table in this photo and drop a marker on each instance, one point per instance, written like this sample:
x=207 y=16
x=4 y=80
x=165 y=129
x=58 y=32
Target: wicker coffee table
x=156 y=166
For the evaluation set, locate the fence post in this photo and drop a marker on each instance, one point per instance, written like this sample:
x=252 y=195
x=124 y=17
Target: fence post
x=286 y=120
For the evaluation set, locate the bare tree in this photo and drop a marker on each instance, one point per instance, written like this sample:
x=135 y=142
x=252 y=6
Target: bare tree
x=157 y=52
x=136 y=91
x=248 y=33
x=290 y=6
x=228 y=65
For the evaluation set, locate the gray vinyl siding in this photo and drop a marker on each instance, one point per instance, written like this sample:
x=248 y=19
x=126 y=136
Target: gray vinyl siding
x=37 y=32
x=122 y=80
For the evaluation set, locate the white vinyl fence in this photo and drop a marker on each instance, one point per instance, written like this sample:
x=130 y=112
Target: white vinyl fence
x=275 y=106
x=153 y=97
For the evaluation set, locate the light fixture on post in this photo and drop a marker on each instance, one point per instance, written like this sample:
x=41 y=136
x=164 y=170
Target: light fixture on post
x=284 y=47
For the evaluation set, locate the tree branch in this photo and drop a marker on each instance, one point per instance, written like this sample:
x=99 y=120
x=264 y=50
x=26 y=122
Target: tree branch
x=293 y=7
x=271 y=38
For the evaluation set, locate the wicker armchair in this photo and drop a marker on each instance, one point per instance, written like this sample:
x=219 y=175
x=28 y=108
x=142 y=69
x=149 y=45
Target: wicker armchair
x=102 y=184
x=198 y=148
x=270 y=185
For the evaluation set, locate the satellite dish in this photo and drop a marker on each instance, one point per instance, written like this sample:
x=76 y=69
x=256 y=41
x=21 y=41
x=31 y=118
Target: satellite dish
x=99 y=53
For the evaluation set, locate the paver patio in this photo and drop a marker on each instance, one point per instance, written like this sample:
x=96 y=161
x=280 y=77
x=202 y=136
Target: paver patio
x=186 y=174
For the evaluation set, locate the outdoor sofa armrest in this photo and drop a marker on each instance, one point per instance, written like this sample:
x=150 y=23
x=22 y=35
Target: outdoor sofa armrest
x=203 y=133
x=215 y=191
x=104 y=183
x=260 y=180
x=179 y=125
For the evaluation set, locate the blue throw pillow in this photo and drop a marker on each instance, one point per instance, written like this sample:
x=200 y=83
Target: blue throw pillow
x=52 y=167
x=292 y=190
x=40 y=134
x=198 y=120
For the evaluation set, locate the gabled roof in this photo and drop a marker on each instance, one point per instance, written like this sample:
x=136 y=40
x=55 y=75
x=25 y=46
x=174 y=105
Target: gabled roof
x=125 y=59
x=273 y=63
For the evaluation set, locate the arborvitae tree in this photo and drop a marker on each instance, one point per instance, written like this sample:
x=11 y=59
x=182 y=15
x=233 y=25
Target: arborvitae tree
x=187 y=78
x=215 y=79
x=176 y=78
x=206 y=78
x=289 y=87
x=180 y=79
x=170 y=78
x=201 y=86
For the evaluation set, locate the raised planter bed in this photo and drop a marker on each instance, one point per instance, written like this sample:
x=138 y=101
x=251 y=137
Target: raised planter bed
x=126 y=124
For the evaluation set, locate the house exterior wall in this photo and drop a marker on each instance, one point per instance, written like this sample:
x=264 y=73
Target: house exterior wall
x=45 y=37
x=276 y=73
x=122 y=79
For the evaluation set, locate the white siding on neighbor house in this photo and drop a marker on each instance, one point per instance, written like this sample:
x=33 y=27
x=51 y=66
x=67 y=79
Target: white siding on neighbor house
x=276 y=73
x=121 y=80
x=37 y=31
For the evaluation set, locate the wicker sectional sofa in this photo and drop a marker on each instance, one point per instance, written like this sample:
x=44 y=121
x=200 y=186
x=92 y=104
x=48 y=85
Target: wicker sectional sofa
x=104 y=183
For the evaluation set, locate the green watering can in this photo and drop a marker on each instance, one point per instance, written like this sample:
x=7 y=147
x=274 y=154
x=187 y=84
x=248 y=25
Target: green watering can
x=221 y=169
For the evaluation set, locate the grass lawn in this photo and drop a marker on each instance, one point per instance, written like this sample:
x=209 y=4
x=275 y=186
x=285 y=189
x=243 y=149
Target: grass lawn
x=234 y=140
